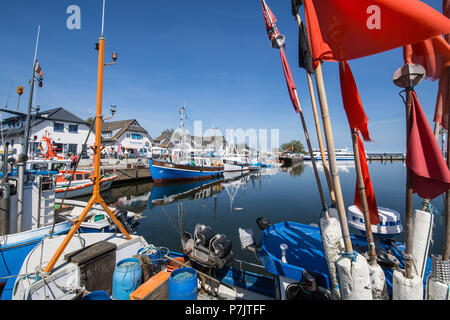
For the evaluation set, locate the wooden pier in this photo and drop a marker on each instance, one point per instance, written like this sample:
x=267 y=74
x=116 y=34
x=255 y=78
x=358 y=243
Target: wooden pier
x=127 y=173
x=386 y=157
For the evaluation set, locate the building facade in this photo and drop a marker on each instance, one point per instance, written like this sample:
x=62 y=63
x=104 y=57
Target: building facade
x=66 y=131
x=126 y=137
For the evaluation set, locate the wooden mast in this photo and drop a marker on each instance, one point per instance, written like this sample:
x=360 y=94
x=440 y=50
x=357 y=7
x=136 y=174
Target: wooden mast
x=96 y=198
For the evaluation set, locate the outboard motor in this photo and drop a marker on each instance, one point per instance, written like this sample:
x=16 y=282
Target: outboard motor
x=307 y=289
x=205 y=248
x=128 y=223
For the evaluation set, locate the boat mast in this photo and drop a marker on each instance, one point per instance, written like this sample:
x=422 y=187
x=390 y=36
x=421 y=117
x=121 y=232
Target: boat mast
x=23 y=157
x=181 y=111
x=96 y=198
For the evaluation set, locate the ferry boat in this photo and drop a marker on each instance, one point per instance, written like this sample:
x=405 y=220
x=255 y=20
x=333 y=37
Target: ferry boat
x=341 y=155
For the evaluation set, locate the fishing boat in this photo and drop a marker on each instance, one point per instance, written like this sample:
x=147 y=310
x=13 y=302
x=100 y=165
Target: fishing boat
x=81 y=184
x=187 y=165
x=235 y=163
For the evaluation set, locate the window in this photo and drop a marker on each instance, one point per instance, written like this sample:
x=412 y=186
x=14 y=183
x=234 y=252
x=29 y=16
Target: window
x=73 y=148
x=136 y=136
x=107 y=134
x=78 y=176
x=58 y=127
x=73 y=128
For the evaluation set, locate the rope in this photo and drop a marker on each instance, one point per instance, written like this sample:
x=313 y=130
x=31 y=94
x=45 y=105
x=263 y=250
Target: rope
x=430 y=208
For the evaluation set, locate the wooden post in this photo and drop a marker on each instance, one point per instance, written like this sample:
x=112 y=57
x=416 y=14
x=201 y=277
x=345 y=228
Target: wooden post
x=308 y=142
x=318 y=130
x=362 y=193
x=332 y=158
x=446 y=249
x=409 y=194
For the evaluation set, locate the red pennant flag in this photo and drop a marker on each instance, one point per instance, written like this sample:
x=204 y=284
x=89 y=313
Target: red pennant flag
x=430 y=174
x=270 y=20
x=272 y=32
x=289 y=80
x=357 y=119
x=342 y=30
x=352 y=102
x=442 y=101
x=370 y=194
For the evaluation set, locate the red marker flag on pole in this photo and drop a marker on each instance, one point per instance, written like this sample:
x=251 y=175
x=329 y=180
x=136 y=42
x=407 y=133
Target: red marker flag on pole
x=357 y=119
x=272 y=32
x=430 y=174
x=342 y=30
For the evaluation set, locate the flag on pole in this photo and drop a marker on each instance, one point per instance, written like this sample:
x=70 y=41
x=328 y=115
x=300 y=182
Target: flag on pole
x=352 y=102
x=272 y=31
x=357 y=119
x=430 y=174
x=38 y=70
x=342 y=30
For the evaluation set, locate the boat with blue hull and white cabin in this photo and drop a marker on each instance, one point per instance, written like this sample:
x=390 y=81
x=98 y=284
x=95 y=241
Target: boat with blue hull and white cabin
x=341 y=155
x=164 y=171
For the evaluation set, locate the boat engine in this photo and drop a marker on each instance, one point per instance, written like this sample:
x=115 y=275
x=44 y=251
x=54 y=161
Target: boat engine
x=207 y=249
x=127 y=223
x=307 y=289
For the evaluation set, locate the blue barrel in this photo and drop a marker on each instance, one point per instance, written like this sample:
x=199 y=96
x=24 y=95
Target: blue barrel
x=153 y=254
x=97 y=295
x=182 y=284
x=126 y=278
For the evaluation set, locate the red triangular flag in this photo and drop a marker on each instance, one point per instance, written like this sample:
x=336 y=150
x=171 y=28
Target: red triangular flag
x=289 y=80
x=272 y=31
x=270 y=21
x=357 y=119
x=352 y=102
x=430 y=174
x=342 y=30
x=370 y=194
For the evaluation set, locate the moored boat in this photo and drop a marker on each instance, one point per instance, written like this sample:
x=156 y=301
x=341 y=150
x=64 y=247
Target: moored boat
x=164 y=171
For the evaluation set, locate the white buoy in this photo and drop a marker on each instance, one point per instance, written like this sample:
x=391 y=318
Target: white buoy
x=406 y=289
x=378 y=280
x=333 y=246
x=437 y=290
x=354 y=278
x=421 y=238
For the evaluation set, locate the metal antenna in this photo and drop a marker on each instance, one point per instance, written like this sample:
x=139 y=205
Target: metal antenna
x=9 y=93
x=103 y=16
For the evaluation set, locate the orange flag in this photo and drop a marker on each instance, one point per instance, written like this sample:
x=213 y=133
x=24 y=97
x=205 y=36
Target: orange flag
x=342 y=30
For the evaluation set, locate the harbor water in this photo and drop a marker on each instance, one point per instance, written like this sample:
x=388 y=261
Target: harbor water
x=279 y=194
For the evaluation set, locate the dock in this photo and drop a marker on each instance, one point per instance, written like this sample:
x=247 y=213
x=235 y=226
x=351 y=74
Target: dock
x=128 y=170
x=386 y=157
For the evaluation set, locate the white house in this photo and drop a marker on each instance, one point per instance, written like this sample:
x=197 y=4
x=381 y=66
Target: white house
x=67 y=132
x=126 y=136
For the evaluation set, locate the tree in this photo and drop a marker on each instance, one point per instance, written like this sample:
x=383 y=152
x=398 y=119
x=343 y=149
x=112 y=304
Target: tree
x=90 y=120
x=293 y=146
x=167 y=133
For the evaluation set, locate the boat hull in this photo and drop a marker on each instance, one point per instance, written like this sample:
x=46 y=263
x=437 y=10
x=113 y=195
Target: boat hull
x=231 y=166
x=163 y=171
x=83 y=189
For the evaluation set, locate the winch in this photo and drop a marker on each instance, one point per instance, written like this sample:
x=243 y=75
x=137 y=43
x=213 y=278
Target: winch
x=206 y=248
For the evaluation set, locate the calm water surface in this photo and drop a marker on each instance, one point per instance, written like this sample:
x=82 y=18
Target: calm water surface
x=277 y=194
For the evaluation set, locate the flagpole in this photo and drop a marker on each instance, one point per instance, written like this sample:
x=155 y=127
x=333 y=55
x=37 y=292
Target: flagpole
x=409 y=193
x=96 y=197
x=332 y=158
x=362 y=192
x=446 y=249
x=305 y=130
x=318 y=130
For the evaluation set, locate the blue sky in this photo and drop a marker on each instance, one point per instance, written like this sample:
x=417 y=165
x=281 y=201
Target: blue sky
x=215 y=55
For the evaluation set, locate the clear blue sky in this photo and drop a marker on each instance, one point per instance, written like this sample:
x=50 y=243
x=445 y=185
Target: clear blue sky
x=215 y=55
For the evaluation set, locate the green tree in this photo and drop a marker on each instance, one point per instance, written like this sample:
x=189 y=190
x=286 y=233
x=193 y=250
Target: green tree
x=293 y=146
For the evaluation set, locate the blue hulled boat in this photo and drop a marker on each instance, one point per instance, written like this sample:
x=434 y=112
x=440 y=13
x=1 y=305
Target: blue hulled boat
x=164 y=171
